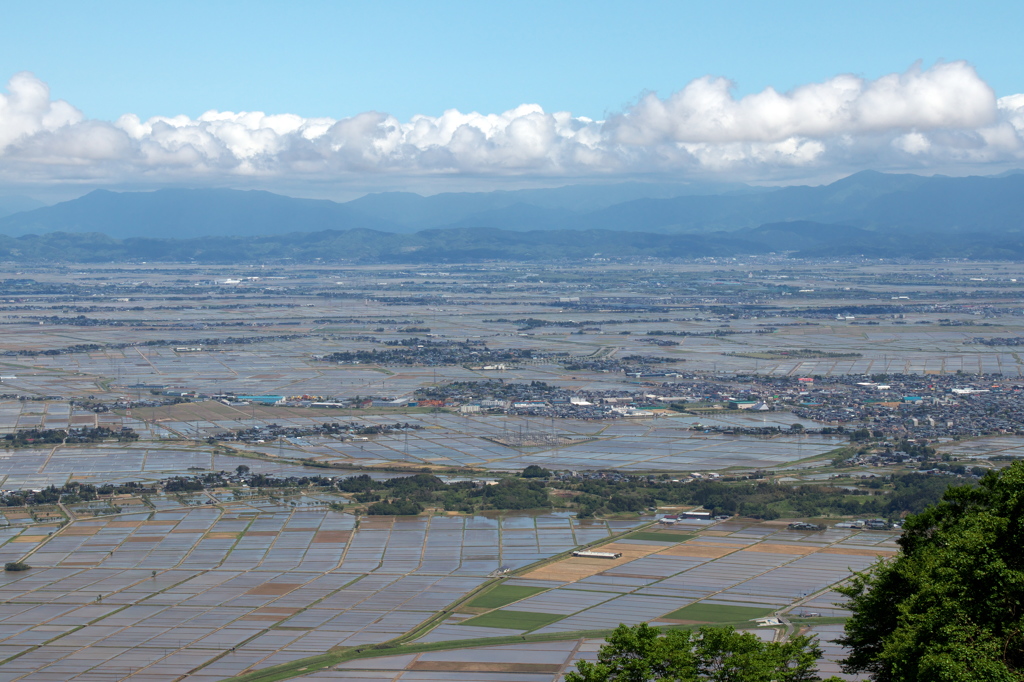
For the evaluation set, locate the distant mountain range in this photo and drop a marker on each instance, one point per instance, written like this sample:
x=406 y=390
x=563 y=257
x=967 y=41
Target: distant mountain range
x=188 y=213
x=15 y=203
x=867 y=200
x=461 y=245
x=872 y=214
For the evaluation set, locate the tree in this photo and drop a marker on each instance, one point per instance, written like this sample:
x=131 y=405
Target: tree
x=534 y=471
x=950 y=606
x=241 y=469
x=712 y=654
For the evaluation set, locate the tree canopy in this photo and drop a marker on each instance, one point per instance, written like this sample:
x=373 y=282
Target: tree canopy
x=641 y=653
x=950 y=606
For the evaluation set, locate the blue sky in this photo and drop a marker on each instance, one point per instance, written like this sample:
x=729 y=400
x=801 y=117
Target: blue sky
x=595 y=60
x=340 y=58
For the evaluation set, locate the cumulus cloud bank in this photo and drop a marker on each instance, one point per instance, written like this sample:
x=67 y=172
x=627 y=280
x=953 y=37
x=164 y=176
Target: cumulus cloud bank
x=924 y=118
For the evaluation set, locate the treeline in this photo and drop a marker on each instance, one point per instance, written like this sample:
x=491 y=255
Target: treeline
x=412 y=494
x=215 y=479
x=714 y=332
x=909 y=493
x=488 y=388
x=210 y=341
x=451 y=353
x=527 y=323
x=26 y=437
x=802 y=353
x=536 y=488
x=70 y=493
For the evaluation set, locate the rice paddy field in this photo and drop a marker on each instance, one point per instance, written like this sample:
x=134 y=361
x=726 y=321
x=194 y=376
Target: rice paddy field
x=179 y=592
x=173 y=444
x=215 y=590
x=211 y=585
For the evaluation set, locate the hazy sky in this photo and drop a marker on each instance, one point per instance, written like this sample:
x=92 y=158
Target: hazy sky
x=345 y=95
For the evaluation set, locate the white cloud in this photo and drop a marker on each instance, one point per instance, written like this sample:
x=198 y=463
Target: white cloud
x=922 y=118
x=27 y=110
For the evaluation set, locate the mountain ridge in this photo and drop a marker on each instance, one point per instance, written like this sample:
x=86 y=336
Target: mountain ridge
x=801 y=239
x=868 y=200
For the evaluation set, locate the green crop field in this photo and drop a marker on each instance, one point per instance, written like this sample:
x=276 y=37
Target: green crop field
x=503 y=595
x=717 y=613
x=514 y=620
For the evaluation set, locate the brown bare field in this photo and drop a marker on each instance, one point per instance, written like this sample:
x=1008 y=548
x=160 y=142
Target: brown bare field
x=81 y=530
x=280 y=610
x=632 y=575
x=124 y=524
x=857 y=551
x=700 y=550
x=273 y=589
x=332 y=536
x=222 y=536
x=771 y=548
x=375 y=524
x=576 y=568
x=144 y=538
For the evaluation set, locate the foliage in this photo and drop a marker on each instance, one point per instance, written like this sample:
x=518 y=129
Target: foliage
x=759 y=499
x=69 y=493
x=182 y=484
x=715 y=654
x=425 y=490
x=416 y=351
x=951 y=605
x=394 y=508
x=26 y=437
x=534 y=471
x=16 y=566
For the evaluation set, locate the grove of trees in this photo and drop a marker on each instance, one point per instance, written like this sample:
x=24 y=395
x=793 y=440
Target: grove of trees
x=950 y=606
x=642 y=653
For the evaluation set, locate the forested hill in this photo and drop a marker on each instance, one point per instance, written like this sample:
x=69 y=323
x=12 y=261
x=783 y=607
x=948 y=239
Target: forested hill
x=801 y=239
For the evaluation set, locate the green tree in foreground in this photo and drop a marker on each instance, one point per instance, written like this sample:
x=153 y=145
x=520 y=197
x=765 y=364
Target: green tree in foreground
x=641 y=653
x=951 y=605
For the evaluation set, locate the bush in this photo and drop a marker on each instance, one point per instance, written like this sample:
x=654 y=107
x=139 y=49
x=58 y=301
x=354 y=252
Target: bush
x=16 y=566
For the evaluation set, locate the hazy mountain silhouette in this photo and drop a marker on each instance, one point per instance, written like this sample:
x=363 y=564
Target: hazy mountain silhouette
x=866 y=200
x=184 y=213
x=803 y=239
x=14 y=203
